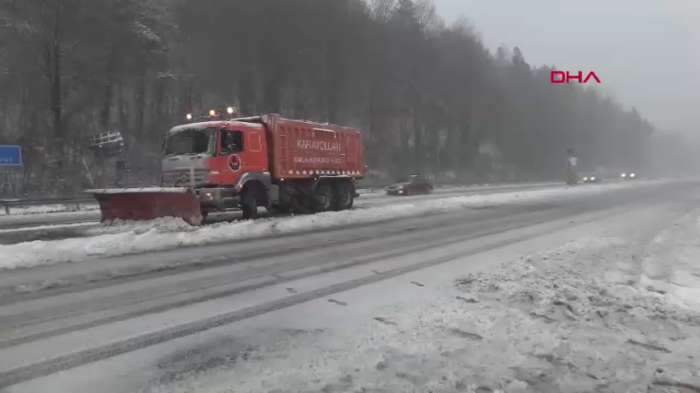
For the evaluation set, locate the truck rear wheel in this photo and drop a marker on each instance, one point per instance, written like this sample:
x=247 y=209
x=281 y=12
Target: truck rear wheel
x=323 y=198
x=344 y=196
x=249 y=204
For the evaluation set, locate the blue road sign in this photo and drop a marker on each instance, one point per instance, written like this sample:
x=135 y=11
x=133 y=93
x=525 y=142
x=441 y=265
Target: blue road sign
x=10 y=155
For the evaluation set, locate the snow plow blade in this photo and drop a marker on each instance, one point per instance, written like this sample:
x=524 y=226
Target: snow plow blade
x=143 y=204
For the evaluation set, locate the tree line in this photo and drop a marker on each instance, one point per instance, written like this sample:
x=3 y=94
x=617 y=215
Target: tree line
x=430 y=97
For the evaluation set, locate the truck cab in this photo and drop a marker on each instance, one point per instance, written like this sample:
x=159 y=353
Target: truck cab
x=216 y=158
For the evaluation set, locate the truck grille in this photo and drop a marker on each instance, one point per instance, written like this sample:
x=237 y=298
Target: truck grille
x=182 y=178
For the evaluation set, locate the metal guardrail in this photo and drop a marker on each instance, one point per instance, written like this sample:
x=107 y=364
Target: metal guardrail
x=7 y=204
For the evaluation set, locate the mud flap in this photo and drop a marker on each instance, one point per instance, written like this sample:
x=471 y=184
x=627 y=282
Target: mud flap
x=143 y=204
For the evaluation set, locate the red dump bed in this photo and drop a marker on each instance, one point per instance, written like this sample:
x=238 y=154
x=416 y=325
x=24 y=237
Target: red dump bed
x=301 y=149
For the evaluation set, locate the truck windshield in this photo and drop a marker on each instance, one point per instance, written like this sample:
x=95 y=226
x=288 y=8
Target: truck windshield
x=202 y=141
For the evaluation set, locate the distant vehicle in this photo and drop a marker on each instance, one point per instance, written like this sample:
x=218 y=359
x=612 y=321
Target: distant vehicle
x=592 y=179
x=628 y=176
x=415 y=185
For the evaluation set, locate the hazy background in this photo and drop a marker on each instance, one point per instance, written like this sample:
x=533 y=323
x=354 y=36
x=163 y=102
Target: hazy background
x=646 y=52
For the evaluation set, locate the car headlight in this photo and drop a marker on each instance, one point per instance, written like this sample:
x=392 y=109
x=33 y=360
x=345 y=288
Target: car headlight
x=593 y=178
x=632 y=175
x=585 y=178
x=624 y=175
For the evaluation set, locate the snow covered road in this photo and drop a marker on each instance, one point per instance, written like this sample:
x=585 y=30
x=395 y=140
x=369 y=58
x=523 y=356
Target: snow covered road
x=28 y=228
x=170 y=233
x=590 y=291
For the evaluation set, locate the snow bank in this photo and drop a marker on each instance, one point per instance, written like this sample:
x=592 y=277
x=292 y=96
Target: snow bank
x=165 y=234
x=563 y=326
x=555 y=321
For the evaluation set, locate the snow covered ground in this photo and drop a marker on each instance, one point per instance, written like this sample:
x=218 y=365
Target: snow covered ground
x=671 y=264
x=559 y=320
x=581 y=317
x=163 y=234
x=599 y=302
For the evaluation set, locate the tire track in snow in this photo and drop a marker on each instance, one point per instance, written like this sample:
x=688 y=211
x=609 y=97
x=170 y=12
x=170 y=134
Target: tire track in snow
x=17 y=230
x=670 y=260
x=446 y=224
x=61 y=363
x=405 y=246
x=280 y=245
x=604 y=206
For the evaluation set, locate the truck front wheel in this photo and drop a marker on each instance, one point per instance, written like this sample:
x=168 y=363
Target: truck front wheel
x=344 y=196
x=249 y=204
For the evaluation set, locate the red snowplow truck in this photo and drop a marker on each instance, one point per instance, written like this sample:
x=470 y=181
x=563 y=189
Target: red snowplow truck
x=244 y=163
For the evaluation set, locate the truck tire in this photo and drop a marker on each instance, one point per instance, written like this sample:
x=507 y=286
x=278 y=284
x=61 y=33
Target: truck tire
x=281 y=209
x=249 y=204
x=344 y=196
x=323 y=198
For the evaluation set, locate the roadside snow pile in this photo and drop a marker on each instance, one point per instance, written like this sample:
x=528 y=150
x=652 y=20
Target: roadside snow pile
x=171 y=233
x=561 y=328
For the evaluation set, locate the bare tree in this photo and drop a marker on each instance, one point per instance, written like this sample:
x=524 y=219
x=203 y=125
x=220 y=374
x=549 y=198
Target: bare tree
x=430 y=97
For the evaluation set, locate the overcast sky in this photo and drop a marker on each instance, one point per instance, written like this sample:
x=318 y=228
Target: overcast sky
x=647 y=52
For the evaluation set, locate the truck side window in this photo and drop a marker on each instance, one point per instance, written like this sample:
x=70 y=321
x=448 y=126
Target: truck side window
x=231 y=142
